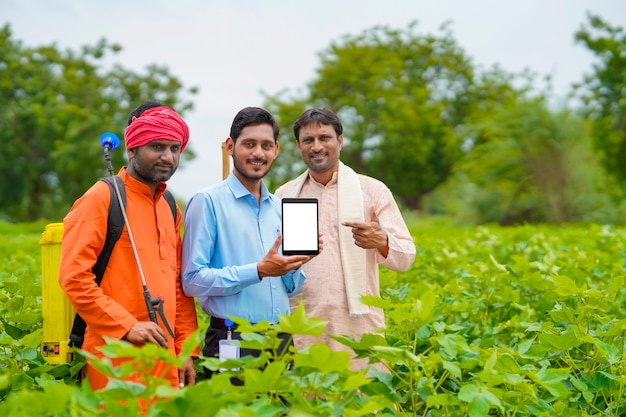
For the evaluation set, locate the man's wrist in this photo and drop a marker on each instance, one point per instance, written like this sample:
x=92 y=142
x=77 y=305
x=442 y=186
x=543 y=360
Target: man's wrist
x=384 y=250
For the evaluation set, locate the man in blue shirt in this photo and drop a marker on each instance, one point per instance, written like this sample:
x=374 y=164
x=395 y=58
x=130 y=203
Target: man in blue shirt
x=231 y=247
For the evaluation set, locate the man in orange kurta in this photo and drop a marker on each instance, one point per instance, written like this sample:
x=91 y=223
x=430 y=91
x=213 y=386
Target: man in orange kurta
x=155 y=137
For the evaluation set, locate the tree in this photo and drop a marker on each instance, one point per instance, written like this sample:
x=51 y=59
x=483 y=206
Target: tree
x=403 y=99
x=603 y=92
x=54 y=105
x=529 y=163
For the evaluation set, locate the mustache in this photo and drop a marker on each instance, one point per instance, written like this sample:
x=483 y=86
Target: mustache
x=161 y=164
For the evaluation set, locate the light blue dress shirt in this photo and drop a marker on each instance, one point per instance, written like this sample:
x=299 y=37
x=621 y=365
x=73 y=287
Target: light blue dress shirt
x=226 y=234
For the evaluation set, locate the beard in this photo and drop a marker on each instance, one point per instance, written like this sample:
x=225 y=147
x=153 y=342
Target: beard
x=319 y=161
x=153 y=173
x=249 y=171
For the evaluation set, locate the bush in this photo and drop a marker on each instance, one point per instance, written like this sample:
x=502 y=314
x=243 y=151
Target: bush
x=524 y=321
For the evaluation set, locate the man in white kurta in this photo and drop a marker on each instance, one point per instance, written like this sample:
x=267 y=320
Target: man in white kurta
x=375 y=234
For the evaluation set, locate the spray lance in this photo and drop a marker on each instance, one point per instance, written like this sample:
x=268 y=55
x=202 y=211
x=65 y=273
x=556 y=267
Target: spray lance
x=110 y=141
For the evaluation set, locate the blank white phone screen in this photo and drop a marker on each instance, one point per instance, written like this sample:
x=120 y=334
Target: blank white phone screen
x=300 y=226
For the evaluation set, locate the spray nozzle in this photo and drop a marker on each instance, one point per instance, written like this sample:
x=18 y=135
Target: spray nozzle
x=109 y=141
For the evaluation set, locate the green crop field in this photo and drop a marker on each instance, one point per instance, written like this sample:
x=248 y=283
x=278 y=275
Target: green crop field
x=517 y=321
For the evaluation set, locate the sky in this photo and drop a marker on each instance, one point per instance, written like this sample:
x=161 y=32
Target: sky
x=234 y=51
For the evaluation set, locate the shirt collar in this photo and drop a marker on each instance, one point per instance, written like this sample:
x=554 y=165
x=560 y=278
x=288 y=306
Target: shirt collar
x=238 y=190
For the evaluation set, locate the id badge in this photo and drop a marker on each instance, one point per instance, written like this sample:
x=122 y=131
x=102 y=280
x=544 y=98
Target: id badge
x=228 y=349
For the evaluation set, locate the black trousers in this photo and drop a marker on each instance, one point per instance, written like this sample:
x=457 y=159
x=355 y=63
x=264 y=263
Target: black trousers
x=214 y=335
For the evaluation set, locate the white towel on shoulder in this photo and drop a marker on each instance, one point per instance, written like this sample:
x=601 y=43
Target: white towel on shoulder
x=350 y=207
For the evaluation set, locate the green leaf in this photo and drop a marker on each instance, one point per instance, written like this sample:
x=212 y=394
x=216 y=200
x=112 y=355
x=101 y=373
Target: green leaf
x=566 y=286
x=452 y=344
x=612 y=354
x=552 y=380
x=13 y=331
x=368 y=341
x=33 y=340
x=355 y=381
x=453 y=368
x=507 y=363
x=442 y=400
x=264 y=380
x=562 y=342
x=120 y=390
x=616 y=285
x=480 y=399
x=531 y=350
x=397 y=355
x=321 y=358
x=298 y=323
x=27 y=354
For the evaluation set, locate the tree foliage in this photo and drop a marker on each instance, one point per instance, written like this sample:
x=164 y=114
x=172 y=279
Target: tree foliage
x=403 y=98
x=604 y=91
x=529 y=164
x=54 y=104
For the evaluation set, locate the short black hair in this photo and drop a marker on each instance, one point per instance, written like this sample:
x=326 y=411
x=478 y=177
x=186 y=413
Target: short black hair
x=250 y=116
x=324 y=116
x=142 y=108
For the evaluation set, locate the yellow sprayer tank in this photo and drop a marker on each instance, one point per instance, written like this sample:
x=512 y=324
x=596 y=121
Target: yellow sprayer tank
x=58 y=313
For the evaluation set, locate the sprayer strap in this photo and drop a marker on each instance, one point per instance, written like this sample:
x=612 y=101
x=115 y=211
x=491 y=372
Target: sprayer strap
x=115 y=225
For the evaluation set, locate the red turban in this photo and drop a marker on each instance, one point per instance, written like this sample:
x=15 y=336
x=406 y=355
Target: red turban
x=157 y=123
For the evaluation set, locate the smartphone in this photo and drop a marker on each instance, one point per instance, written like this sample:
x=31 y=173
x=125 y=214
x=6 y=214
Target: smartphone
x=300 y=226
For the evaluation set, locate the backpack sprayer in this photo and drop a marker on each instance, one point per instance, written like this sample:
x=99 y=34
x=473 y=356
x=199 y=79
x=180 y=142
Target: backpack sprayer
x=110 y=141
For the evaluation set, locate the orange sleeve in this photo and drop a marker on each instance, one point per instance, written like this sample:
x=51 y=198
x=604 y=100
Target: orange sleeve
x=186 y=318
